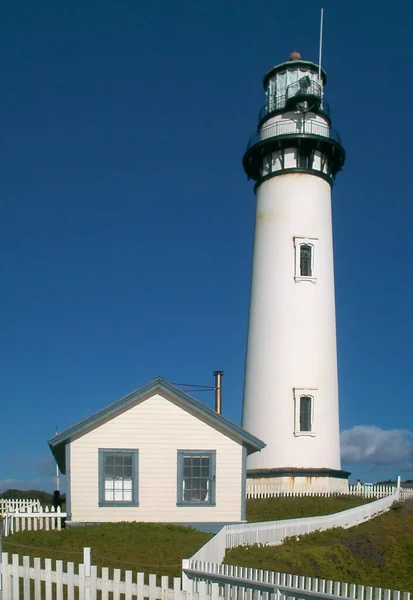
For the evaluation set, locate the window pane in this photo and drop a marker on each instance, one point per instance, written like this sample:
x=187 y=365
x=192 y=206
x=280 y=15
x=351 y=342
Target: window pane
x=195 y=495
x=108 y=459
x=305 y=260
x=302 y=161
x=187 y=495
x=187 y=471
x=118 y=472
x=109 y=472
x=305 y=413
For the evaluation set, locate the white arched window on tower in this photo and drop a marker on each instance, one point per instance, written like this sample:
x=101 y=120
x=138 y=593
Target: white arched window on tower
x=306 y=262
x=305 y=259
x=304 y=411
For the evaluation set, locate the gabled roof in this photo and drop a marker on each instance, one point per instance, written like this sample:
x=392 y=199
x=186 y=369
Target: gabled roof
x=164 y=388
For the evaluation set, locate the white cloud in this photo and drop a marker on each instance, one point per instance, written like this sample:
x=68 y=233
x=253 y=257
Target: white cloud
x=373 y=445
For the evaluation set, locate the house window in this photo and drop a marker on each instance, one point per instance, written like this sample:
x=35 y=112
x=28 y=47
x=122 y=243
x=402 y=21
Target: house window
x=196 y=477
x=118 y=477
x=304 y=411
x=305 y=259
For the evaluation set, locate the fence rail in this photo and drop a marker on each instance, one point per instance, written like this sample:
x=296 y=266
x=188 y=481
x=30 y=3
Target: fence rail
x=241 y=583
x=43 y=518
x=274 y=532
x=263 y=490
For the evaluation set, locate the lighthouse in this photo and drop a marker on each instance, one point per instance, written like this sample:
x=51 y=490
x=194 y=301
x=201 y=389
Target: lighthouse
x=291 y=384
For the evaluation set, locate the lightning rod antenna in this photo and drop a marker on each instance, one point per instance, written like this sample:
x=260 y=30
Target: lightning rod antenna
x=320 y=52
x=57 y=472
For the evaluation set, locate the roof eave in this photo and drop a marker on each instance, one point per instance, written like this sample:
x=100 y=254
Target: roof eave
x=225 y=425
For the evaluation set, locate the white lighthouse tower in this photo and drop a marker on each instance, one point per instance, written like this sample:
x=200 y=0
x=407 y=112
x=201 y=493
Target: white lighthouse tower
x=291 y=388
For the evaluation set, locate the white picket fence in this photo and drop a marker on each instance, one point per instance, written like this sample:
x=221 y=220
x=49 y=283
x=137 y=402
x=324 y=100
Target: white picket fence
x=26 y=579
x=262 y=490
x=274 y=532
x=7 y=505
x=242 y=583
x=32 y=520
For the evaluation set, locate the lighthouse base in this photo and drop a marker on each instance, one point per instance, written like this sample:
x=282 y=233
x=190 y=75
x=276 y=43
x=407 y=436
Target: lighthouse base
x=284 y=480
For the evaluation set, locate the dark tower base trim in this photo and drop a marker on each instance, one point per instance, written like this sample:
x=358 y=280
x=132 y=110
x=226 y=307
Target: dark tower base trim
x=294 y=472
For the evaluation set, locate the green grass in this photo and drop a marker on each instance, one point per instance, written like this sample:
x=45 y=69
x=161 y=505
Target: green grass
x=378 y=553
x=151 y=547
x=273 y=509
x=143 y=547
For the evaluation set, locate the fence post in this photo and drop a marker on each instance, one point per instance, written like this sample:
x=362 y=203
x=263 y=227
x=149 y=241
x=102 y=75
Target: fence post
x=398 y=487
x=86 y=562
x=185 y=579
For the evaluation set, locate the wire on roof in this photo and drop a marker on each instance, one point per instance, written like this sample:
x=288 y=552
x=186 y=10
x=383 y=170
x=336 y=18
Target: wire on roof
x=195 y=385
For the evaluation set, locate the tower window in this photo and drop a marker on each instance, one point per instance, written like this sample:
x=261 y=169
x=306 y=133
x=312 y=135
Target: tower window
x=302 y=160
x=305 y=260
x=305 y=413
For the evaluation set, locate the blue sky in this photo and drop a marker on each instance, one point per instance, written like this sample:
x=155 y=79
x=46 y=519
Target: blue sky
x=127 y=221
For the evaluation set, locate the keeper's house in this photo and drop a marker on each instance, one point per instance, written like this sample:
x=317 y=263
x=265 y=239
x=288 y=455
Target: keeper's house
x=156 y=455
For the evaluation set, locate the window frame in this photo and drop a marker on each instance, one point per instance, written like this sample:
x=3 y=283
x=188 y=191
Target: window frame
x=312 y=243
x=180 y=478
x=298 y=394
x=135 y=477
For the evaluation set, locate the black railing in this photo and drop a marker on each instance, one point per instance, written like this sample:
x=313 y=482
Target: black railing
x=304 y=87
x=280 y=105
x=293 y=128
x=302 y=90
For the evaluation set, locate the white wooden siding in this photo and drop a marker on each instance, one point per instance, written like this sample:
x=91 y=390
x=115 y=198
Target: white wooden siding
x=158 y=428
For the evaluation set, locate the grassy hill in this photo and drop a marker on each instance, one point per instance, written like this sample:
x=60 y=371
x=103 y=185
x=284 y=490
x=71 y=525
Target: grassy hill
x=273 y=509
x=377 y=553
x=150 y=547
x=143 y=547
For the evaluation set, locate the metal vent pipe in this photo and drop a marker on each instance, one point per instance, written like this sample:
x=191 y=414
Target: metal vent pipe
x=218 y=391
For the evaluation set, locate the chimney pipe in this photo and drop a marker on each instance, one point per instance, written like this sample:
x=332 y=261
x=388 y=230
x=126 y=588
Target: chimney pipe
x=218 y=391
